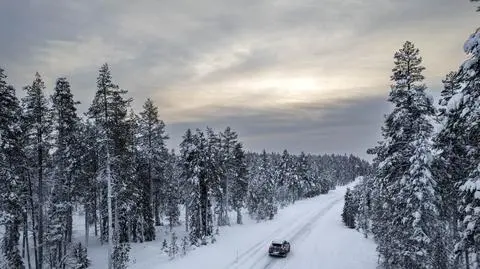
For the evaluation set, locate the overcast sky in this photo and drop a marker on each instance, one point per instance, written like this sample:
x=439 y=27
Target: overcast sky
x=305 y=75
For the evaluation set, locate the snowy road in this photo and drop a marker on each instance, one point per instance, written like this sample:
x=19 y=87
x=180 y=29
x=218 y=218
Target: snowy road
x=313 y=227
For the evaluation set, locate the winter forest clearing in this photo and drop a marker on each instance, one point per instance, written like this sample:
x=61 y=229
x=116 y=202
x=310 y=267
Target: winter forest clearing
x=100 y=188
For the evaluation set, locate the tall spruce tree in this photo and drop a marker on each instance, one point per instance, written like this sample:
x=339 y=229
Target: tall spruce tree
x=228 y=143
x=239 y=184
x=152 y=148
x=450 y=164
x=469 y=105
x=406 y=221
x=37 y=123
x=109 y=110
x=59 y=232
x=12 y=173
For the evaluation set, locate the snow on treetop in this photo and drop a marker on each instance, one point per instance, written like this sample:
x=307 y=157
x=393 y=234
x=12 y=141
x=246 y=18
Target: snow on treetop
x=472 y=45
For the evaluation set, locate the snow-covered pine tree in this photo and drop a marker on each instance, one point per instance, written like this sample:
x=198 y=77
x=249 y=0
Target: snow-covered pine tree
x=302 y=176
x=154 y=154
x=121 y=256
x=165 y=246
x=172 y=190
x=79 y=258
x=262 y=192
x=450 y=165
x=12 y=181
x=406 y=221
x=87 y=187
x=229 y=140
x=185 y=245
x=37 y=123
x=195 y=154
x=469 y=105
x=349 y=210
x=173 y=249
x=214 y=170
x=115 y=133
x=239 y=184
x=285 y=180
x=363 y=215
x=59 y=230
x=188 y=177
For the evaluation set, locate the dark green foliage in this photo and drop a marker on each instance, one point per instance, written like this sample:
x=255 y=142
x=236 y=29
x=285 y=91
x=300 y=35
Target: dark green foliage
x=165 y=246
x=173 y=249
x=79 y=259
x=120 y=256
x=405 y=219
x=37 y=127
x=11 y=174
x=185 y=245
x=349 y=210
x=67 y=158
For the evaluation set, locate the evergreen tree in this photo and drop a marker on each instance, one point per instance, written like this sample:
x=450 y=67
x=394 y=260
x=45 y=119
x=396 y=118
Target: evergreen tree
x=406 y=221
x=11 y=180
x=172 y=191
x=153 y=151
x=286 y=180
x=262 y=203
x=59 y=230
x=363 y=215
x=37 y=122
x=228 y=144
x=450 y=166
x=185 y=245
x=195 y=154
x=349 y=210
x=469 y=105
x=79 y=258
x=116 y=141
x=165 y=246
x=173 y=250
x=239 y=184
x=121 y=256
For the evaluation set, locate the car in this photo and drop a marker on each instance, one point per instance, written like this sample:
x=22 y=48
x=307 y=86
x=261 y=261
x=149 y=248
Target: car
x=279 y=248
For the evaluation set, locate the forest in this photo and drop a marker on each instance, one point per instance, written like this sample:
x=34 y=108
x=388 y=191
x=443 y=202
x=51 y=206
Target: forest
x=113 y=165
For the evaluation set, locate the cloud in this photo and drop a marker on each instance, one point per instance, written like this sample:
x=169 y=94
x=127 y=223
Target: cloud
x=219 y=61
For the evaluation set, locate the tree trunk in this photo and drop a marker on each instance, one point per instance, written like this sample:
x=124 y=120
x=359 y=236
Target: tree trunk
x=186 y=217
x=40 y=200
x=157 y=212
x=467 y=261
x=109 y=204
x=26 y=241
x=34 y=233
x=95 y=219
x=86 y=226
x=239 y=216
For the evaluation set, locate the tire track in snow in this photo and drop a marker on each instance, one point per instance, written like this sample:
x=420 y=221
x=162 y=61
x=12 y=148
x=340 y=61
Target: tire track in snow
x=292 y=231
x=304 y=230
x=244 y=257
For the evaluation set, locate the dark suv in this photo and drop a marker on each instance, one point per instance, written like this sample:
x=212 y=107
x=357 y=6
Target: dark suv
x=278 y=248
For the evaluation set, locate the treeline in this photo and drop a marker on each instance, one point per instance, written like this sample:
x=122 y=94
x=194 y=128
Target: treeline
x=422 y=203
x=114 y=165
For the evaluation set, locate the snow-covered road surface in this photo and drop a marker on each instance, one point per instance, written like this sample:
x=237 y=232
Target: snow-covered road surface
x=313 y=227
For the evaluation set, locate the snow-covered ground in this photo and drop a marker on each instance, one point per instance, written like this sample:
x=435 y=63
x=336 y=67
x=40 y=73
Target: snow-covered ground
x=313 y=226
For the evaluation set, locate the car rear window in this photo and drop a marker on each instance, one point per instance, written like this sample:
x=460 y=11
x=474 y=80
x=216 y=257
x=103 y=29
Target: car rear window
x=276 y=245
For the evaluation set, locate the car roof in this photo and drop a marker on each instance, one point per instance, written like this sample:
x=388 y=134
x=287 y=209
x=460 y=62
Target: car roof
x=277 y=241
